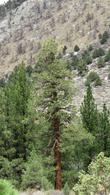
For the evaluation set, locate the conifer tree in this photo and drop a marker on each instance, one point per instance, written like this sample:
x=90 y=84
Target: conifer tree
x=15 y=127
x=2 y=120
x=103 y=133
x=17 y=95
x=6 y=148
x=76 y=142
x=89 y=115
x=54 y=80
x=89 y=111
x=34 y=175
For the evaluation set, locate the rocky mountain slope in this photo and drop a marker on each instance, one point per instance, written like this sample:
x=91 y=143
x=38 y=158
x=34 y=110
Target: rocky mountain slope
x=101 y=93
x=70 y=22
x=23 y=26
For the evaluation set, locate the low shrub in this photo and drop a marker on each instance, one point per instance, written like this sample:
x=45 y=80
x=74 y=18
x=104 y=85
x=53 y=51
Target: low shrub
x=98 y=52
x=79 y=64
x=107 y=56
x=94 y=78
x=87 y=57
x=98 y=82
x=100 y=63
x=76 y=48
x=90 y=48
x=74 y=62
x=104 y=37
x=82 y=67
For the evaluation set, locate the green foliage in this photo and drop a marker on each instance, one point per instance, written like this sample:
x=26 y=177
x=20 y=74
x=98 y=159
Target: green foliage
x=103 y=131
x=96 y=122
x=107 y=56
x=52 y=79
x=104 y=37
x=25 y=117
x=80 y=64
x=74 y=62
x=90 y=48
x=27 y=112
x=2 y=82
x=75 y=143
x=98 y=82
x=29 y=70
x=66 y=189
x=89 y=116
x=35 y=175
x=89 y=111
x=87 y=57
x=100 y=62
x=14 y=139
x=94 y=78
x=76 y=48
x=54 y=95
x=6 y=188
x=98 y=52
x=97 y=179
x=82 y=67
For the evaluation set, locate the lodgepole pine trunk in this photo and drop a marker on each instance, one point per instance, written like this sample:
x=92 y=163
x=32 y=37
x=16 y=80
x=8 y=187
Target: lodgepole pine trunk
x=57 y=153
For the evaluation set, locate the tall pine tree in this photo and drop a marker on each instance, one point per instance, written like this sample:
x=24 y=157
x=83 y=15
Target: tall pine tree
x=15 y=127
x=89 y=115
x=103 y=131
x=88 y=110
x=54 y=81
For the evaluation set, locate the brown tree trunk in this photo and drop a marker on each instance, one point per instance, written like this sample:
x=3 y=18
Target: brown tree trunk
x=57 y=153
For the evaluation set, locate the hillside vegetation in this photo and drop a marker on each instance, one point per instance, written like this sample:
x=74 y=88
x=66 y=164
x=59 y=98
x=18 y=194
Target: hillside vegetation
x=55 y=97
x=44 y=143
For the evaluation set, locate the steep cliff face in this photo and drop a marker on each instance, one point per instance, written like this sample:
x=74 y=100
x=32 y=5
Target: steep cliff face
x=24 y=25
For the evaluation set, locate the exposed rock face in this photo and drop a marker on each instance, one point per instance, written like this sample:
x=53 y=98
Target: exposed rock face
x=30 y=21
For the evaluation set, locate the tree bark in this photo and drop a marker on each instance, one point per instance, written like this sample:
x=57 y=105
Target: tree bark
x=57 y=153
